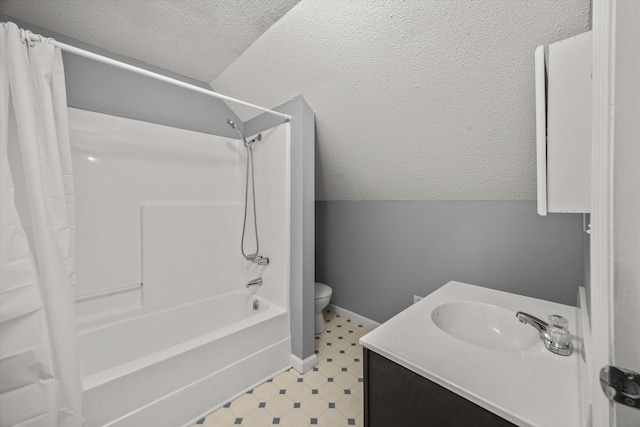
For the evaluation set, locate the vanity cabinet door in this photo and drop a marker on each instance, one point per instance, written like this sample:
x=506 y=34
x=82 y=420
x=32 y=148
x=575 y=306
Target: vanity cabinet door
x=396 y=396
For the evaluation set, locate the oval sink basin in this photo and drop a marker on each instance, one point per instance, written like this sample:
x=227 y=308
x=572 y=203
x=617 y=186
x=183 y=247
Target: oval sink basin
x=484 y=325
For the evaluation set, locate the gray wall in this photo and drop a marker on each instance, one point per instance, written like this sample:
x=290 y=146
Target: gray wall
x=302 y=217
x=377 y=254
x=102 y=88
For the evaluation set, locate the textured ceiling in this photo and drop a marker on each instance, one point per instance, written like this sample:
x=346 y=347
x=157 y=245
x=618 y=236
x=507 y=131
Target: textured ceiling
x=195 y=38
x=414 y=100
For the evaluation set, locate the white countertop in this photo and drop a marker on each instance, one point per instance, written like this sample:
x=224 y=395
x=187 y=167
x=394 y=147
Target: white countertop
x=531 y=387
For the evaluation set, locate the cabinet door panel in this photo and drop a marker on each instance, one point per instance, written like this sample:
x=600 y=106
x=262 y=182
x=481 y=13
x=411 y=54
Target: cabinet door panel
x=396 y=396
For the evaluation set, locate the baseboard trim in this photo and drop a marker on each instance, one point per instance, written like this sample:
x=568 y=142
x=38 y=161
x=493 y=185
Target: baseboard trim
x=361 y=320
x=305 y=365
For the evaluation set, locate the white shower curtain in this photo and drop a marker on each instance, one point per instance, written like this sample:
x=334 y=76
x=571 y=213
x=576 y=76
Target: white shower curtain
x=40 y=382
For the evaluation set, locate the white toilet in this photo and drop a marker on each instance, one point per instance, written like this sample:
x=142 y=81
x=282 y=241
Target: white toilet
x=322 y=298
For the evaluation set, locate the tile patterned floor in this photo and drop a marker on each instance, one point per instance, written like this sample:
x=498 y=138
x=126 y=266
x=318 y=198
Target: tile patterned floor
x=330 y=395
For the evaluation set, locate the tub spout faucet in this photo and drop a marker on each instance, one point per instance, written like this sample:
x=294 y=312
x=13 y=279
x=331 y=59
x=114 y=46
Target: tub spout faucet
x=556 y=337
x=254 y=282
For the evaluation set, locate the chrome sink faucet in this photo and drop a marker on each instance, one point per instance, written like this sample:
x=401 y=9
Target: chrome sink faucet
x=555 y=336
x=526 y=318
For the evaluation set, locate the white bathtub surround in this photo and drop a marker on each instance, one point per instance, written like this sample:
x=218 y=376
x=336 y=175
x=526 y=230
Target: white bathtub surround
x=528 y=386
x=38 y=354
x=166 y=206
x=361 y=320
x=146 y=193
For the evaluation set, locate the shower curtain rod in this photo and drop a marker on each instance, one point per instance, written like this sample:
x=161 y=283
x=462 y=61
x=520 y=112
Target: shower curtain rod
x=100 y=58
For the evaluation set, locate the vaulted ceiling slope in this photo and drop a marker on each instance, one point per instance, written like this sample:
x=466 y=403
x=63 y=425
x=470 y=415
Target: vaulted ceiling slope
x=195 y=38
x=414 y=100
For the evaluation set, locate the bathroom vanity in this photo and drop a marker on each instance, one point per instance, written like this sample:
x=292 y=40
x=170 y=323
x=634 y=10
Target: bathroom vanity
x=461 y=357
x=395 y=395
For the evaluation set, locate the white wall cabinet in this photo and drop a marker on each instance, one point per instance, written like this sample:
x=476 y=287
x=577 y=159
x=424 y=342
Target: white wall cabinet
x=563 y=125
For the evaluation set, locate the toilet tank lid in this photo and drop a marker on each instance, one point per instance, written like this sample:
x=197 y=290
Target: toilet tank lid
x=322 y=290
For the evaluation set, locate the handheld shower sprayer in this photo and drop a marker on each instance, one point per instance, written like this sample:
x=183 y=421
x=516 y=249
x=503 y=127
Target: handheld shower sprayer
x=253 y=257
x=246 y=144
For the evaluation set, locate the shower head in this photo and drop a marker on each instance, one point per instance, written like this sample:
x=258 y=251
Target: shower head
x=246 y=144
x=234 y=126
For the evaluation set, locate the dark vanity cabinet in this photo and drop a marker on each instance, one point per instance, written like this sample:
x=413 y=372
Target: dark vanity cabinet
x=396 y=396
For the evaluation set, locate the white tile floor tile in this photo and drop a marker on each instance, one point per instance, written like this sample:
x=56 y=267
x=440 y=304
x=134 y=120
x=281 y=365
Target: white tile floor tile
x=330 y=395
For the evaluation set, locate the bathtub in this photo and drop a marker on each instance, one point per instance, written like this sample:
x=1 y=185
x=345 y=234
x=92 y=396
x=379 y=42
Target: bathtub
x=170 y=367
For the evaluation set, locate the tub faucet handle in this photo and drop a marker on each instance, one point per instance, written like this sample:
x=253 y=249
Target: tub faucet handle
x=260 y=260
x=254 y=282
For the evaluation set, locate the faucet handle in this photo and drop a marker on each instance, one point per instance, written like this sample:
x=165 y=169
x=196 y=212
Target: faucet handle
x=558 y=321
x=559 y=336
